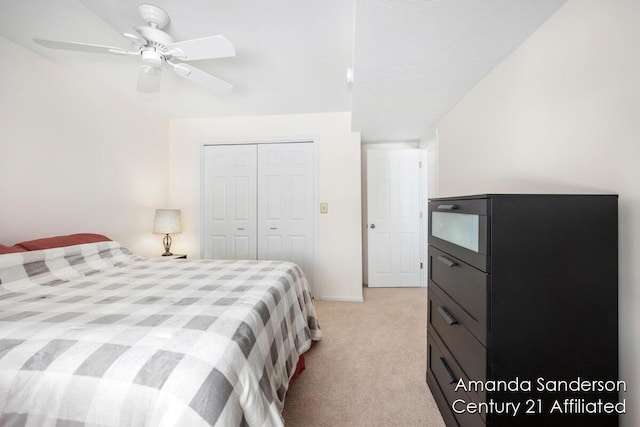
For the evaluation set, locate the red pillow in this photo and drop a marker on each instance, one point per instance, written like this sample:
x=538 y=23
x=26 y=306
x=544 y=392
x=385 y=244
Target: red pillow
x=60 y=241
x=10 y=249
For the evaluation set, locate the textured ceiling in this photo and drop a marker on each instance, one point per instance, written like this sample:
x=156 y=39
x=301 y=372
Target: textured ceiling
x=413 y=60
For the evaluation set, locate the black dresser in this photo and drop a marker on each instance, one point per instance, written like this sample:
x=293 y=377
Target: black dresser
x=523 y=310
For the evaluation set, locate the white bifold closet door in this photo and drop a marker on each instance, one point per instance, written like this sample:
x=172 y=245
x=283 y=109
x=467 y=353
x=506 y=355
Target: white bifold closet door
x=285 y=203
x=229 y=196
x=258 y=202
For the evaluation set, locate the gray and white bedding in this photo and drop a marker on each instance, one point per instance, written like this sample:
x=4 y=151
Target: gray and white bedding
x=93 y=335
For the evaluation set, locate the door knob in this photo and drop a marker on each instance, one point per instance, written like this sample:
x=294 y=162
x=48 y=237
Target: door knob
x=372 y=226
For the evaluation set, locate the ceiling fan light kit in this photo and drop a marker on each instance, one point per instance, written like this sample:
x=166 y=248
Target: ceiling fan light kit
x=152 y=57
x=156 y=47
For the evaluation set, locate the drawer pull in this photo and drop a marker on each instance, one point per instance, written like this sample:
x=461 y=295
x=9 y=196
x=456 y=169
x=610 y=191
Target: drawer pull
x=447 y=207
x=447 y=370
x=444 y=313
x=446 y=261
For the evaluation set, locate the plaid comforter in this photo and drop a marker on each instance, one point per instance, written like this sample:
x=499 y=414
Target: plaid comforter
x=93 y=335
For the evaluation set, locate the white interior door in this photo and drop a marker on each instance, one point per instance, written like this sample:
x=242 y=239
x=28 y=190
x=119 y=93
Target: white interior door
x=229 y=196
x=285 y=204
x=393 y=214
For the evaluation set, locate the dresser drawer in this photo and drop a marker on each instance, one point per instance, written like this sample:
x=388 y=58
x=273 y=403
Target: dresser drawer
x=445 y=372
x=461 y=227
x=466 y=285
x=470 y=354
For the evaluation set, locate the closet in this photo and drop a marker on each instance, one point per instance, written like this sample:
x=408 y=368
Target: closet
x=258 y=202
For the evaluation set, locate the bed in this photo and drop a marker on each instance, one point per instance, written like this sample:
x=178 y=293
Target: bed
x=91 y=334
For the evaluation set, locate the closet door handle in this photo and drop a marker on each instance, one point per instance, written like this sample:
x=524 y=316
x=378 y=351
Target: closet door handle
x=240 y=228
x=446 y=261
x=273 y=228
x=447 y=207
x=447 y=370
x=444 y=313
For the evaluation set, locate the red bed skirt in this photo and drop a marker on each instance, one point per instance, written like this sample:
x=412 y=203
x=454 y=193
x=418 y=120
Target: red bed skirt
x=299 y=368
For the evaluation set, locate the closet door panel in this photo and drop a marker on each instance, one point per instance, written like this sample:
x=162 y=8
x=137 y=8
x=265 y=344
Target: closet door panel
x=285 y=203
x=218 y=245
x=298 y=248
x=243 y=247
x=274 y=188
x=229 y=196
x=273 y=246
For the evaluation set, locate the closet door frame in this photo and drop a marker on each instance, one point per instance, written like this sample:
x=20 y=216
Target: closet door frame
x=315 y=285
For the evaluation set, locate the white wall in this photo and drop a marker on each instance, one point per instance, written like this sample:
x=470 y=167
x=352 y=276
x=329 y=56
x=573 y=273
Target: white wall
x=562 y=113
x=338 y=241
x=75 y=157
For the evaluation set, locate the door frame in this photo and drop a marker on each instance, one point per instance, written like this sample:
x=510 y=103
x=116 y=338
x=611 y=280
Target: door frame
x=429 y=181
x=257 y=141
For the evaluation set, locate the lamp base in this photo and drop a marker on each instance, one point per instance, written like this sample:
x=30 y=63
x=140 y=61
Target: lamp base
x=167 y=245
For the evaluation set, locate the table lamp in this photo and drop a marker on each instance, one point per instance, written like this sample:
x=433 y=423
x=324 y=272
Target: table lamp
x=168 y=221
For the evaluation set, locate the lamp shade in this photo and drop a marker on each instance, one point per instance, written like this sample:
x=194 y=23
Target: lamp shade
x=168 y=221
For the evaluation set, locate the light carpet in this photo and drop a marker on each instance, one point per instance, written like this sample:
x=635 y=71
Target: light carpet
x=369 y=369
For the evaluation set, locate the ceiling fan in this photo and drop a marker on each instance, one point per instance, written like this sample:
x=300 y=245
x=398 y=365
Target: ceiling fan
x=156 y=48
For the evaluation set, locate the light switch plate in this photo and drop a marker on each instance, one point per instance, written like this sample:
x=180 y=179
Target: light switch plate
x=324 y=208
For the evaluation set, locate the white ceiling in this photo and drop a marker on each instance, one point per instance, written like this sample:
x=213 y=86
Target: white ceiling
x=413 y=59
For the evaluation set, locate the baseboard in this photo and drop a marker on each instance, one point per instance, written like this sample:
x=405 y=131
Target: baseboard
x=341 y=299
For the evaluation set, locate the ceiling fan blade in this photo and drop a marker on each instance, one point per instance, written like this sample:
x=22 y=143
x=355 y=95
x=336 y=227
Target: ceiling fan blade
x=205 y=79
x=136 y=38
x=149 y=79
x=80 y=47
x=204 y=48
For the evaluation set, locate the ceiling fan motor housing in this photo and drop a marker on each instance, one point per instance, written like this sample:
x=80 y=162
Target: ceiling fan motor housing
x=155 y=37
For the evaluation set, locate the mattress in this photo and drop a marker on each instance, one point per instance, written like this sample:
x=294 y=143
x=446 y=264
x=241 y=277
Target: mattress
x=94 y=335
